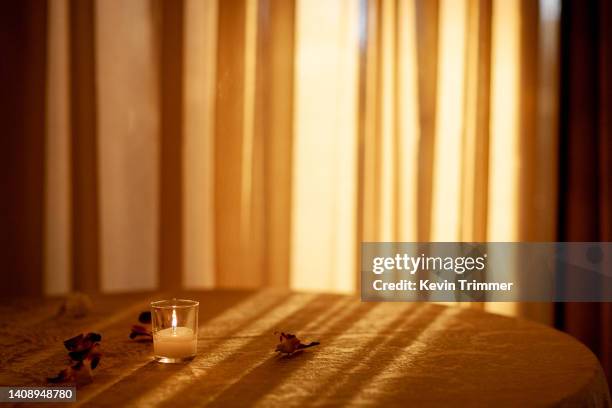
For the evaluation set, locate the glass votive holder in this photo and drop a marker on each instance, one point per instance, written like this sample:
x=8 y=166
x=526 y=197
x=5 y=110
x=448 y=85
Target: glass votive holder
x=174 y=324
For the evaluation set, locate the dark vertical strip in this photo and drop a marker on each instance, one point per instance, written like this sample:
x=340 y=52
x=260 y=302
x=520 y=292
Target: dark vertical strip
x=23 y=40
x=427 y=59
x=563 y=171
x=605 y=118
x=171 y=146
x=605 y=150
x=528 y=117
x=579 y=216
x=229 y=122
x=274 y=131
x=83 y=114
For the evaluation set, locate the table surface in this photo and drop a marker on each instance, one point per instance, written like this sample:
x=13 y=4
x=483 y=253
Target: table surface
x=419 y=354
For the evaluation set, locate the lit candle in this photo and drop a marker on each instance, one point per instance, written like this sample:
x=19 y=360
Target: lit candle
x=178 y=342
x=175 y=342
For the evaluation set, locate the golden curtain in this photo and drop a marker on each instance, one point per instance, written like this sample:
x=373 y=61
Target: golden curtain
x=249 y=143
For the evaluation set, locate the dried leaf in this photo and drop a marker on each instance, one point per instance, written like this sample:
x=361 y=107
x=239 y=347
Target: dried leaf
x=289 y=343
x=82 y=341
x=84 y=353
x=145 y=317
x=142 y=333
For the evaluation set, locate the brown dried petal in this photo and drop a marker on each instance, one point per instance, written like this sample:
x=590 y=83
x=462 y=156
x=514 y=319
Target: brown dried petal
x=82 y=354
x=82 y=341
x=289 y=343
x=73 y=342
x=145 y=317
x=141 y=334
x=84 y=351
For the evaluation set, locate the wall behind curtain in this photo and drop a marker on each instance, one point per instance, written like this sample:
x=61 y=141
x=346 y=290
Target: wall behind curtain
x=250 y=143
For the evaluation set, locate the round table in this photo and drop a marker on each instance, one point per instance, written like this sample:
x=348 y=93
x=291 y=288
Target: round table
x=404 y=354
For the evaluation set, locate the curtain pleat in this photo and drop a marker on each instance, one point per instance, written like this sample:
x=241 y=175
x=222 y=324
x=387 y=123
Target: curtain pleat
x=128 y=133
x=585 y=164
x=427 y=27
x=85 y=222
x=22 y=146
x=231 y=236
x=58 y=189
x=605 y=181
x=446 y=176
x=475 y=144
x=274 y=128
x=171 y=194
x=200 y=37
x=324 y=185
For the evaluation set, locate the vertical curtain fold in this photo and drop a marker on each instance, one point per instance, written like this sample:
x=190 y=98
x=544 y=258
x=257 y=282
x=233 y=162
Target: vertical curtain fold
x=324 y=188
x=171 y=60
x=229 y=128
x=274 y=127
x=83 y=99
x=22 y=147
x=585 y=165
x=427 y=27
x=58 y=189
x=128 y=141
x=475 y=149
x=200 y=49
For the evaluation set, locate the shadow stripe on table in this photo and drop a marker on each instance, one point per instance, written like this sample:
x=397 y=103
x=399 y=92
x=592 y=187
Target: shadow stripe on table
x=205 y=371
x=369 y=351
x=138 y=379
x=377 y=320
x=374 y=350
x=43 y=357
x=106 y=392
x=242 y=388
x=412 y=347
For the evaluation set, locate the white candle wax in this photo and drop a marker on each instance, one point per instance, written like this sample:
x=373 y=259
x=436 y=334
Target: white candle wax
x=179 y=342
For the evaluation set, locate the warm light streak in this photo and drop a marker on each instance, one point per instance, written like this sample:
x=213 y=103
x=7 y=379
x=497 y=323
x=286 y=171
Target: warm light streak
x=504 y=161
x=446 y=191
x=379 y=319
x=57 y=161
x=504 y=131
x=248 y=131
x=128 y=105
x=408 y=122
x=174 y=322
x=324 y=152
x=406 y=357
x=388 y=160
x=199 y=86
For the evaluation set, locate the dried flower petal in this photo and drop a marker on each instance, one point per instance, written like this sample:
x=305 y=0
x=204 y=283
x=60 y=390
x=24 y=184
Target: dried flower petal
x=141 y=334
x=84 y=353
x=145 y=317
x=289 y=343
x=82 y=341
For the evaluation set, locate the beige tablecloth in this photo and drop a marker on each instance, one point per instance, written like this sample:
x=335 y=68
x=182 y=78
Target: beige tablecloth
x=408 y=354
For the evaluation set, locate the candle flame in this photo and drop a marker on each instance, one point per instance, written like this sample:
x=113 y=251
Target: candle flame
x=174 y=320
